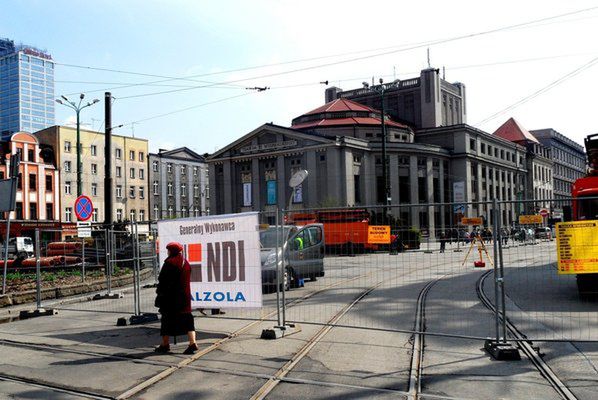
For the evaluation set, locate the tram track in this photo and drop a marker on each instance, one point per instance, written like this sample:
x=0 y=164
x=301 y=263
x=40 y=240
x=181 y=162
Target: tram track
x=526 y=346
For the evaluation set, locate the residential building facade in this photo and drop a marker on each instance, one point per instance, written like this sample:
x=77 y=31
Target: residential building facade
x=38 y=194
x=129 y=172
x=26 y=89
x=539 y=180
x=569 y=164
x=178 y=183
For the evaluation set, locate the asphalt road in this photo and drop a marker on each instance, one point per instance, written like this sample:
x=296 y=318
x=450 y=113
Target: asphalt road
x=366 y=353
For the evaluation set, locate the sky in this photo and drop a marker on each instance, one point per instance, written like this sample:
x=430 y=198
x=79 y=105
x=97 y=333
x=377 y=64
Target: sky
x=217 y=49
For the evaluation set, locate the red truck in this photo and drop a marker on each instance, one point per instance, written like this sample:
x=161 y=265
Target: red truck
x=585 y=207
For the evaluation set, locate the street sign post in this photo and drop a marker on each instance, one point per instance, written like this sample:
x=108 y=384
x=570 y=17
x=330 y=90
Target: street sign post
x=83 y=229
x=83 y=208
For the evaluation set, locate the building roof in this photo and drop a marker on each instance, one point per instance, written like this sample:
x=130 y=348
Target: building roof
x=340 y=105
x=514 y=132
x=342 y=112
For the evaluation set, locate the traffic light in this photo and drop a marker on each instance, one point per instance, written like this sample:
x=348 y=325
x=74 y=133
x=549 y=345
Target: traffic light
x=15 y=161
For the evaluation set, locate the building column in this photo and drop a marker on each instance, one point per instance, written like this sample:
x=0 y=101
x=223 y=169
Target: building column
x=394 y=182
x=281 y=185
x=442 y=189
x=228 y=187
x=368 y=179
x=255 y=185
x=346 y=178
x=413 y=184
x=431 y=209
x=333 y=178
x=310 y=199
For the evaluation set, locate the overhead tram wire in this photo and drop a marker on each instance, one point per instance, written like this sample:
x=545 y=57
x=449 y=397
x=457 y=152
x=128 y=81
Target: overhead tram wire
x=400 y=49
x=540 y=91
x=186 y=109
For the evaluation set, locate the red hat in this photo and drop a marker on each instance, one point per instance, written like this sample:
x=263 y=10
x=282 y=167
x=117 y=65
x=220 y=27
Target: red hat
x=174 y=246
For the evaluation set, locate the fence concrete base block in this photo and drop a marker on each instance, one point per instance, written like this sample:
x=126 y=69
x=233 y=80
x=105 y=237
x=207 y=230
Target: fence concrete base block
x=278 y=332
x=458 y=251
x=107 y=296
x=150 y=285
x=428 y=251
x=122 y=321
x=41 y=312
x=143 y=318
x=502 y=351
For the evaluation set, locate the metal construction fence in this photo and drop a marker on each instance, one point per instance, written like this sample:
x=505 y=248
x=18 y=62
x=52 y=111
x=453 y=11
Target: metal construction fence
x=475 y=270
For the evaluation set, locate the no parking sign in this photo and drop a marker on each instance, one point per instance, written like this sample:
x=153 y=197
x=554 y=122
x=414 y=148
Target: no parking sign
x=83 y=208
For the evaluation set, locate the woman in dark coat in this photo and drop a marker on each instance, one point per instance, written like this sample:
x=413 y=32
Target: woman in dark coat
x=174 y=299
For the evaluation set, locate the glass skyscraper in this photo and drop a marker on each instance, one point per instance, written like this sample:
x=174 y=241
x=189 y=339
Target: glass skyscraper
x=26 y=89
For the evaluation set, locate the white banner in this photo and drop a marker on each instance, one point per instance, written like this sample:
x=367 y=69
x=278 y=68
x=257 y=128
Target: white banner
x=459 y=192
x=224 y=253
x=246 y=194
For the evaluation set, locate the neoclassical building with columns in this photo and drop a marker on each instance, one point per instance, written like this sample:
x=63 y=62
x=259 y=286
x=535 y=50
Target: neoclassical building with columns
x=340 y=145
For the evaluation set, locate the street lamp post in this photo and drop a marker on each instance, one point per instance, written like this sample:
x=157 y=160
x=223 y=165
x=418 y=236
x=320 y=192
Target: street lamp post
x=77 y=108
x=381 y=90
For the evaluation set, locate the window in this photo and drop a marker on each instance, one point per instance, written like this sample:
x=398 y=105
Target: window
x=94 y=169
x=68 y=214
x=132 y=173
x=170 y=212
x=195 y=169
x=141 y=215
x=94 y=189
x=30 y=156
x=183 y=169
x=156 y=212
x=141 y=173
x=119 y=191
x=141 y=192
x=184 y=212
x=169 y=167
x=48 y=183
x=156 y=187
x=141 y=158
x=472 y=144
x=49 y=211
x=183 y=190
x=118 y=154
x=94 y=150
x=132 y=155
x=33 y=211
x=119 y=214
x=155 y=166
x=118 y=172
x=132 y=215
x=132 y=192
x=67 y=146
x=170 y=188
x=195 y=190
x=94 y=215
x=67 y=187
x=67 y=166
x=32 y=182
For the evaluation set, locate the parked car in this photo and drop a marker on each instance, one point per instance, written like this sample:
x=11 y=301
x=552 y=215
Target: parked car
x=303 y=253
x=543 y=232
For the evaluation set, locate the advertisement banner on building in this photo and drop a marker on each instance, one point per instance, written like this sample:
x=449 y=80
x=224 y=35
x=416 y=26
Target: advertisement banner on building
x=459 y=192
x=224 y=253
x=577 y=247
x=246 y=194
x=298 y=194
x=271 y=191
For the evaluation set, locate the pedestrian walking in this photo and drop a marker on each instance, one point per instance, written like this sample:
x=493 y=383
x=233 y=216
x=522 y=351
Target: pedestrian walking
x=173 y=299
x=443 y=240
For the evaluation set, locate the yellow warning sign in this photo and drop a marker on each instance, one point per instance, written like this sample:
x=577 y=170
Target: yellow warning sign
x=471 y=221
x=530 y=219
x=577 y=247
x=379 y=234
